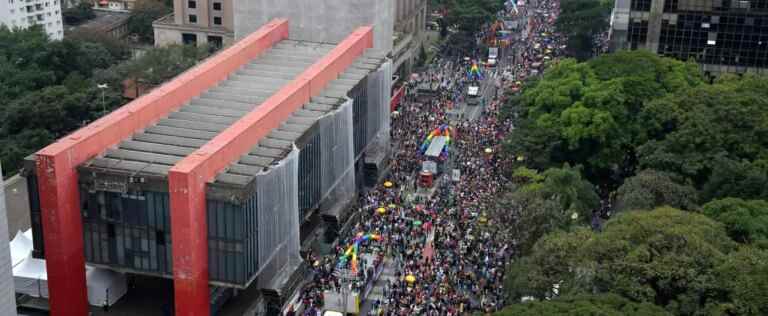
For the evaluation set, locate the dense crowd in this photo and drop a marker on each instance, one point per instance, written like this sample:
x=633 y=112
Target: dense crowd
x=448 y=251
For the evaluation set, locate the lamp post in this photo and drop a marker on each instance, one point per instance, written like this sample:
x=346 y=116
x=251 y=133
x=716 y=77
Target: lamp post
x=103 y=87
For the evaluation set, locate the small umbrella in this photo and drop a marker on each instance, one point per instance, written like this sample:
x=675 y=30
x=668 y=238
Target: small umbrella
x=410 y=278
x=388 y=184
x=381 y=210
x=416 y=223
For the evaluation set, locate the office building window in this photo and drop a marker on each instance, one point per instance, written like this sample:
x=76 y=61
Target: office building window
x=192 y=18
x=217 y=6
x=192 y=4
x=217 y=20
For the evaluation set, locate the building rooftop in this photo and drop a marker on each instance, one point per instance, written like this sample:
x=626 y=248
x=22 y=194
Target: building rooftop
x=155 y=150
x=105 y=21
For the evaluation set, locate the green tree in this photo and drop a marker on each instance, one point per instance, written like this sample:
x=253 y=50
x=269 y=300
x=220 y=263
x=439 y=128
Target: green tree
x=555 y=267
x=650 y=189
x=583 y=305
x=744 y=275
x=143 y=14
x=556 y=199
x=581 y=21
x=710 y=127
x=160 y=64
x=745 y=221
x=664 y=257
x=78 y=13
x=597 y=114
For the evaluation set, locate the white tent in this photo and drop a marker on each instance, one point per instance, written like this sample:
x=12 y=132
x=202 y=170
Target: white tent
x=105 y=287
x=31 y=278
x=21 y=247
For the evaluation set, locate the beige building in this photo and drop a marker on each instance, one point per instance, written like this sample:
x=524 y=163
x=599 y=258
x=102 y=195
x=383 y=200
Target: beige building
x=410 y=24
x=196 y=22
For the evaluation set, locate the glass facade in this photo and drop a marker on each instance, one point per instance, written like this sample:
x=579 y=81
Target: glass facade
x=133 y=232
x=360 y=114
x=731 y=33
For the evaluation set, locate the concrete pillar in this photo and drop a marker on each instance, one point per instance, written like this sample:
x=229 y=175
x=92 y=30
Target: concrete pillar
x=63 y=237
x=654 y=25
x=7 y=295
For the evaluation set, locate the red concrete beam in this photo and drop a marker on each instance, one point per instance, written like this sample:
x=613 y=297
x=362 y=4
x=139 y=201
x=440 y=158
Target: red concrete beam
x=57 y=177
x=187 y=179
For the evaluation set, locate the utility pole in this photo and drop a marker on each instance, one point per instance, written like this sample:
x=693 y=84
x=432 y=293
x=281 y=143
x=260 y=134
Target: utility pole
x=103 y=87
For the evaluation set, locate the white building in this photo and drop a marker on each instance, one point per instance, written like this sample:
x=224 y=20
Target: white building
x=26 y=13
x=7 y=297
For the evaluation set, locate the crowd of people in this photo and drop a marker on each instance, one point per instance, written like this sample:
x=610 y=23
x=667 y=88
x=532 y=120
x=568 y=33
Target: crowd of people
x=448 y=251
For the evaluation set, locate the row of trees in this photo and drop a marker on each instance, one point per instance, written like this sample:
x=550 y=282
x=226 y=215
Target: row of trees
x=50 y=88
x=466 y=18
x=643 y=133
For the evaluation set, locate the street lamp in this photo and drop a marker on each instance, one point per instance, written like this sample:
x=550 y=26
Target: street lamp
x=103 y=87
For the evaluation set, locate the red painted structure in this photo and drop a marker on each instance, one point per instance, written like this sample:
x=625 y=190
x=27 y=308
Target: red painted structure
x=397 y=97
x=187 y=179
x=57 y=163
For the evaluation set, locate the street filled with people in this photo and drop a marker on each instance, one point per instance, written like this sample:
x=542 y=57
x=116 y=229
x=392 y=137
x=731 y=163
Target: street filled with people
x=448 y=250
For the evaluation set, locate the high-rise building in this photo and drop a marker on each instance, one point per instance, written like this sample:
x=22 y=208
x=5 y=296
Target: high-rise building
x=196 y=22
x=26 y=13
x=721 y=35
x=7 y=297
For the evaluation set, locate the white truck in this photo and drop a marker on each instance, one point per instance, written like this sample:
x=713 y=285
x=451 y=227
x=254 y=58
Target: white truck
x=473 y=95
x=493 y=56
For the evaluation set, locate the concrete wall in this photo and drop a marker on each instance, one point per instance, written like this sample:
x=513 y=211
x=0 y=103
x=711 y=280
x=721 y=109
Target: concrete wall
x=17 y=205
x=7 y=295
x=321 y=20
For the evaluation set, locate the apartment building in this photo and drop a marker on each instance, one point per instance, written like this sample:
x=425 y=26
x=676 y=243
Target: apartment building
x=196 y=22
x=26 y=13
x=721 y=35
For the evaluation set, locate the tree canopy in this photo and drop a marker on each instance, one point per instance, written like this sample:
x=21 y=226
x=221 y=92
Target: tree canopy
x=596 y=113
x=580 y=305
x=666 y=257
x=143 y=14
x=650 y=189
x=555 y=199
x=50 y=88
x=745 y=221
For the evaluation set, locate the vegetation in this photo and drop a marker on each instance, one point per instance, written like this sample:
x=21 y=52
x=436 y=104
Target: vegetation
x=143 y=14
x=50 y=88
x=78 y=13
x=582 y=21
x=670 y=258
x=681 y=161
x=466 y=18
x=603 y=305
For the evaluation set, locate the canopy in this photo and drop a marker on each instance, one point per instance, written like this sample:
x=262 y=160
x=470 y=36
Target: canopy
x=21 y=247
x=105 y=286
